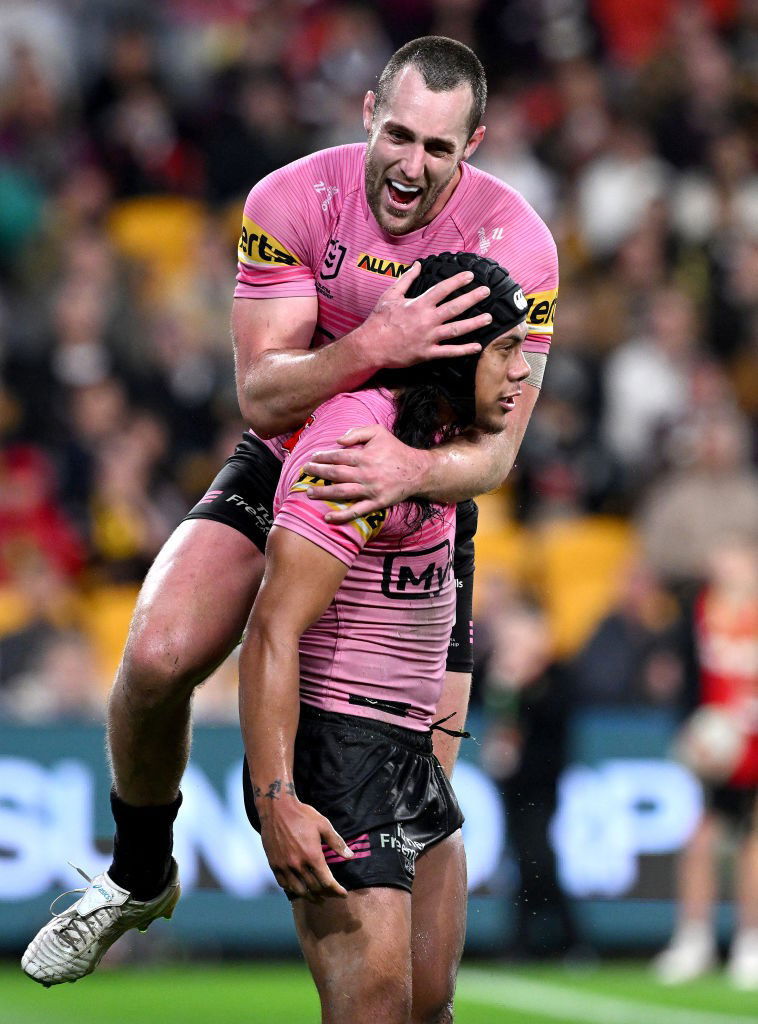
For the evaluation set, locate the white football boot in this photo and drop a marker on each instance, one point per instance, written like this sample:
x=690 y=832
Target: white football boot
x=743 y=959
x=73 y=943
x=691 y=953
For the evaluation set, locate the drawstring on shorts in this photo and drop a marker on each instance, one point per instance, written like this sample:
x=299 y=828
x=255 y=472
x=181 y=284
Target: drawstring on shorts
x=450 y=732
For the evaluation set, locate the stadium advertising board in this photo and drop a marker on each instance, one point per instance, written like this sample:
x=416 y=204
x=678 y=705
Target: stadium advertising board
x=624 y=811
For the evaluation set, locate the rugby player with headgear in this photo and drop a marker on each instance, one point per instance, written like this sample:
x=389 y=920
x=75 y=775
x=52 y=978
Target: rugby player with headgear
x=313 y=316
x=341 y=672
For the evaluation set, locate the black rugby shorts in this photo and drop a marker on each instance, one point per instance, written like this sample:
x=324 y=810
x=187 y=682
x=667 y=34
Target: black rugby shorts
x=382 y=789
x=242 y=496
x=737 y=804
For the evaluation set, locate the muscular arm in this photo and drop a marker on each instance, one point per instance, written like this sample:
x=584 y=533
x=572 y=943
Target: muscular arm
x=375 y=470
x=476 y=463
x=280 y=382
x=299 y=584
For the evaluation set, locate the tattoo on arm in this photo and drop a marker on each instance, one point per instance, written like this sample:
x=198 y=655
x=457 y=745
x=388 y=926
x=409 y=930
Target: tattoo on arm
x=275 y=790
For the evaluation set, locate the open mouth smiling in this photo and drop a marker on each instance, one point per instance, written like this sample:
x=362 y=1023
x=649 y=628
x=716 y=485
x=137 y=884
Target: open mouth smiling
x=403 y=196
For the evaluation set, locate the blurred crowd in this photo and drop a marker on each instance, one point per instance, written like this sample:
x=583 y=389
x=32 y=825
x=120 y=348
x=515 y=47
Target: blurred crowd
x=130 y=134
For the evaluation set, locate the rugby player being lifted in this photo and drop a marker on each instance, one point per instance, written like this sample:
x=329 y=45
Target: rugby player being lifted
x=313 y=317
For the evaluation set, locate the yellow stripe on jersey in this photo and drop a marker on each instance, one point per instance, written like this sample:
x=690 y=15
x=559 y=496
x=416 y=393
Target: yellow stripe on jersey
x=368 y=526
x=541 y=316
x=259 y=247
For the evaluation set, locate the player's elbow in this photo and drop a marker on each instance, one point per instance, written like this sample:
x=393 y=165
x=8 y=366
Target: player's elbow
x=263 y=426
x=268 y=412
x=256 y=412
x=270 y=635
x=261 y=630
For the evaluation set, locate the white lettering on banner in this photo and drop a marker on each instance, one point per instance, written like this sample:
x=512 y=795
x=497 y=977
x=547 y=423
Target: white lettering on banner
x=607 y=816
x=484 y=829
x=610 y=814
x=46 y=819
x=219 y=831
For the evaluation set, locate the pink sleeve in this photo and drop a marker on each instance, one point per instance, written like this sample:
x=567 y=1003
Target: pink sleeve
x=527 y=249
x=292 y=507
x=282 y=236
x=306 y=518
x=536 y=270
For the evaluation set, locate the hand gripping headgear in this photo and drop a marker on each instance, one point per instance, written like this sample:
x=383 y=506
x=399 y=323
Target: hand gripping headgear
x=505 y=302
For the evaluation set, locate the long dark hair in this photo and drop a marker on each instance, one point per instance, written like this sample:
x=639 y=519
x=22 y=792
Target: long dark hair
x=424 y=418
x=437 y=399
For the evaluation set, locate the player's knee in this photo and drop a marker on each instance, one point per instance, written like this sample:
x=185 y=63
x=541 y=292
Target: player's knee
x=433 y=999
x=434 y=1007
x=155 y=670
x=384 y=995
x=442 y=1013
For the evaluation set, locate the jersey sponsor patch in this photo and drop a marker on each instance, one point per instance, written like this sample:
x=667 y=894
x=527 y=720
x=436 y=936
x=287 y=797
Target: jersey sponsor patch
x=368 y=526
x=376 y=265
x=258 y=247
x=417 y=575
x=541 y=316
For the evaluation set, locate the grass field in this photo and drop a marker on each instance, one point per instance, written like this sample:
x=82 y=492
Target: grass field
x=282 y=994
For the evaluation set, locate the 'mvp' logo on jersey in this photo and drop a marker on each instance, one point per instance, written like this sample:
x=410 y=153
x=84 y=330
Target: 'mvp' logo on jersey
x=417 y=575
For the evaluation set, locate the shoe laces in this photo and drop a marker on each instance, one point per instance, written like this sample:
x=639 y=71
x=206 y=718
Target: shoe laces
x=74 y=930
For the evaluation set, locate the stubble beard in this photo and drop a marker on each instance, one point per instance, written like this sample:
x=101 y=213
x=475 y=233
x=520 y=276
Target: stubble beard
x=491 y=424
x=374 y=183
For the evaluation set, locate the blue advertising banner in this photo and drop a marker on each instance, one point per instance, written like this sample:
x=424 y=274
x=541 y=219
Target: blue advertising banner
x=624 y=812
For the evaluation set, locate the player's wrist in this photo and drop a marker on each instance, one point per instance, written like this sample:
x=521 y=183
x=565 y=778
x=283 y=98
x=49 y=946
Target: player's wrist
x=274 y=795
x=365 y=344
x=422 y=473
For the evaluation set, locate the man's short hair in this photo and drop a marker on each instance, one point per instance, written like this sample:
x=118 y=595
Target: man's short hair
x=443 y=64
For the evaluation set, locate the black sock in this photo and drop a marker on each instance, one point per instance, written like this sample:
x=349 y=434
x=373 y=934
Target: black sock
x=142 y=846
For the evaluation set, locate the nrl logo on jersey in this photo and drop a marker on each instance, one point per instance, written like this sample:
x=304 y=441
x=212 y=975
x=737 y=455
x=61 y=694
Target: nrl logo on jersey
x=385 y=268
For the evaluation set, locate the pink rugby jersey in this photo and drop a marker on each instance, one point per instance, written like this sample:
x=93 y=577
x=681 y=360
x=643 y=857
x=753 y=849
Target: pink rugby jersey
x=307 y=230
x=384 y=637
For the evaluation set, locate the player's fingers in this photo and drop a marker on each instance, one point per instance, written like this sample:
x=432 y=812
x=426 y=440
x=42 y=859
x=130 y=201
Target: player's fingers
x=291 y=882
x=454 y=307
x=355 y=511
x=403 y=282
x=440 y=291
x=334 y=474
x=339 y=493
x=316 y=893
x=326 y=460
x=457 y=328
x=334 y=840
x=473 y=348
x=325 y=884
x=360 y=435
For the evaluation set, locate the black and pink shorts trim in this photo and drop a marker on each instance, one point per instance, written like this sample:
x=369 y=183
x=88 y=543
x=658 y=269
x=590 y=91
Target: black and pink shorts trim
x=381 y=787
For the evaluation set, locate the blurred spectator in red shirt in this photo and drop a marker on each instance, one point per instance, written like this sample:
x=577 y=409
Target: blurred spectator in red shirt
x=30 y=517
